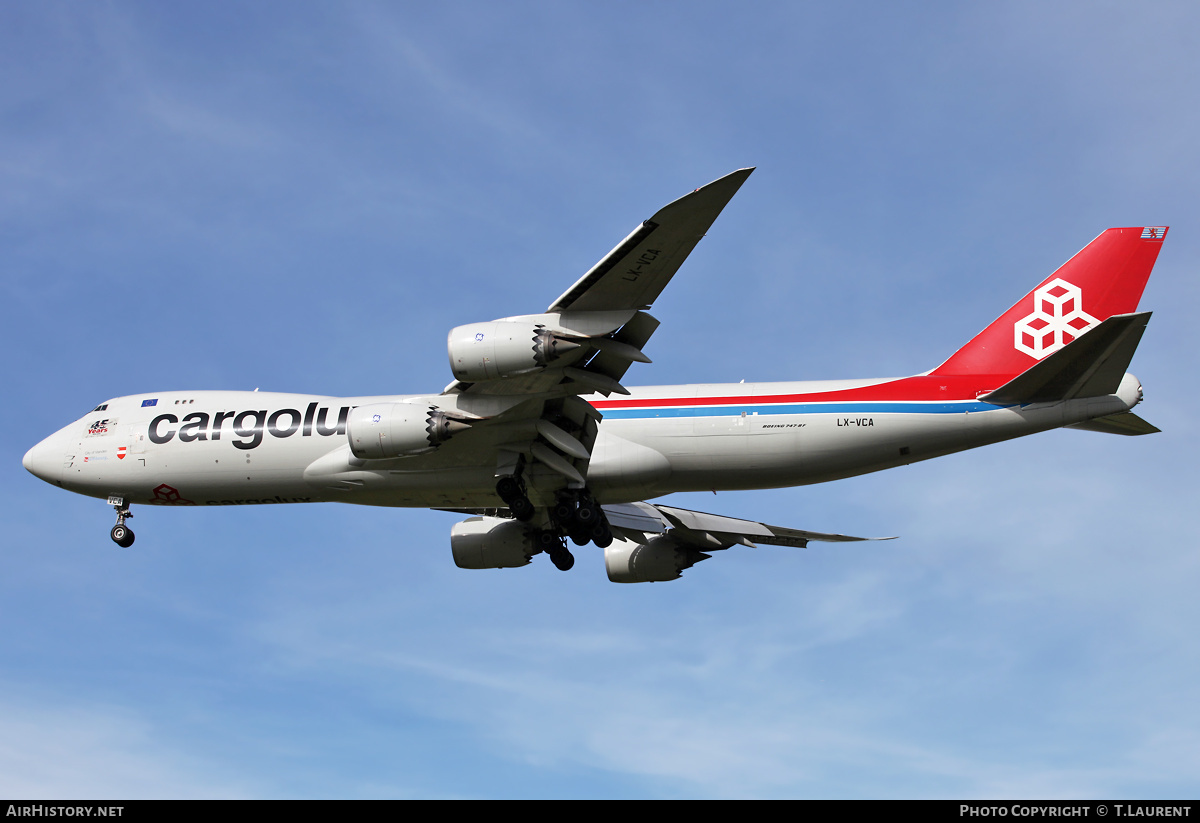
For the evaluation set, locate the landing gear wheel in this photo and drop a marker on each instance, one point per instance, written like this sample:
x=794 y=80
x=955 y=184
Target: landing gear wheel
x=586 y=514
x=564 y=511
x=522 y=509
x=511 y=490
x=508 y=489
x=602 y=535
x=562 y=558
x=553 y=545
x=549 y=542
x=122 y=535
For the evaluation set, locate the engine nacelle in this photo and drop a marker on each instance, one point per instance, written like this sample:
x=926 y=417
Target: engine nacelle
x=502 y=348
x=491 y=543
x=381 y=430
x=662 y=559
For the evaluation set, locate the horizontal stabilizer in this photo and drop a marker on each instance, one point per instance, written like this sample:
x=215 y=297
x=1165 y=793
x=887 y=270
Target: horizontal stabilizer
x=1126 y=423
x=1090 y=366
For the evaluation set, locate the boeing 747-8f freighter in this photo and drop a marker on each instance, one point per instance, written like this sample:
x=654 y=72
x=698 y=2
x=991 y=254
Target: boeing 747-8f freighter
x=538 y=440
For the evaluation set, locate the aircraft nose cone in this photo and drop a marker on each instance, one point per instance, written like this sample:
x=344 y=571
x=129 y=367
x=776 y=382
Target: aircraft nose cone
x=44 y=461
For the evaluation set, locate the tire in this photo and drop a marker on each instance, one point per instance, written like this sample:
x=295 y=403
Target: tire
x=564 y=512
x=548 y=542
x=562 y=559
x=508 y=489
x=586 y=514
x=601 y=535
x=522 y=509
x=122 y=536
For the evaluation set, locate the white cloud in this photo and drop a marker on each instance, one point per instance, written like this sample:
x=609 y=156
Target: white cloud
x=61 y=750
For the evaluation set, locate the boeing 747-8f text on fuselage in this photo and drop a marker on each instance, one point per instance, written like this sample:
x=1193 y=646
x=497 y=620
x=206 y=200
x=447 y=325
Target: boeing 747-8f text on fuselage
x=514 y=443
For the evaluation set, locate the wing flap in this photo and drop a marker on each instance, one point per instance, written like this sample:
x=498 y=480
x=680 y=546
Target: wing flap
x=712 y=531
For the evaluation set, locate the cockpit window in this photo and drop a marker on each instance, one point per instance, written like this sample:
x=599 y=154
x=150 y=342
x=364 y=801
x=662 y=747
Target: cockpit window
x=101 y=407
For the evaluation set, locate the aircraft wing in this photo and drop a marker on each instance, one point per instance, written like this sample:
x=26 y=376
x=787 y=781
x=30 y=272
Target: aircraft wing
x=647 y=543
x=603 y=312
x=638 y=522
x=520 y=379
x=633 y=274
x=642 y=522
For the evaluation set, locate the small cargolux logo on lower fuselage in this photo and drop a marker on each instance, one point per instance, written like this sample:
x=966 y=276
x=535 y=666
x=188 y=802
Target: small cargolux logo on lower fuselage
x=165 y=495
x=1058 y=318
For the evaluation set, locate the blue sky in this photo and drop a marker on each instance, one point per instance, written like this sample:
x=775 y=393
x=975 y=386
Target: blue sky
x=307 y=197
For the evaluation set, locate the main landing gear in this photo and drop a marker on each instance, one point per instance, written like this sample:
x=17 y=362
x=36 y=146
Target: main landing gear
x=552 y=544
x=511 y=489
x=121 y=534
x=575 y=514
x=578 y=515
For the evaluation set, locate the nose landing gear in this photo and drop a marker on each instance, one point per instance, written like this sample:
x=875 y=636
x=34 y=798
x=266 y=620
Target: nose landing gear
x=121 y=534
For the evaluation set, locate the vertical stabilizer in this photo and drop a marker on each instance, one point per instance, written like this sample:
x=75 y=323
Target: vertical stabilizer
x=1106 y=278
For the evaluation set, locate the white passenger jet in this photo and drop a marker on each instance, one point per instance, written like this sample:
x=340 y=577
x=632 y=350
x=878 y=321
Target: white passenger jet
x=513 y=442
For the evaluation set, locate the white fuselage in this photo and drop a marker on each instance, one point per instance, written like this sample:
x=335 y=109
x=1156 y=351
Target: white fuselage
x=253 y=448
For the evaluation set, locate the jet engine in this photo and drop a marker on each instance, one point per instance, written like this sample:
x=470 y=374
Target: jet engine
x=502 y=348
x=663 y=558
x=381 y=430
x=491 y=543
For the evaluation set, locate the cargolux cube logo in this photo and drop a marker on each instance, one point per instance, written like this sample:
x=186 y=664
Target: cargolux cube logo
x=1058 y=318
x=165 y=495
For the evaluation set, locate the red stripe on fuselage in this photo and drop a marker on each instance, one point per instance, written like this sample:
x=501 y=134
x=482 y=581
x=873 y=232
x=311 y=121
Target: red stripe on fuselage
x=920 y=388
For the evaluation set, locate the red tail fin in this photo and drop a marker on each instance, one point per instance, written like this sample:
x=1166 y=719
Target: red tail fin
x=1106 y=278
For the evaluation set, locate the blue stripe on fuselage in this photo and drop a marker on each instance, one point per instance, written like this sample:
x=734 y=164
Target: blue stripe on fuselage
x=799 y=408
